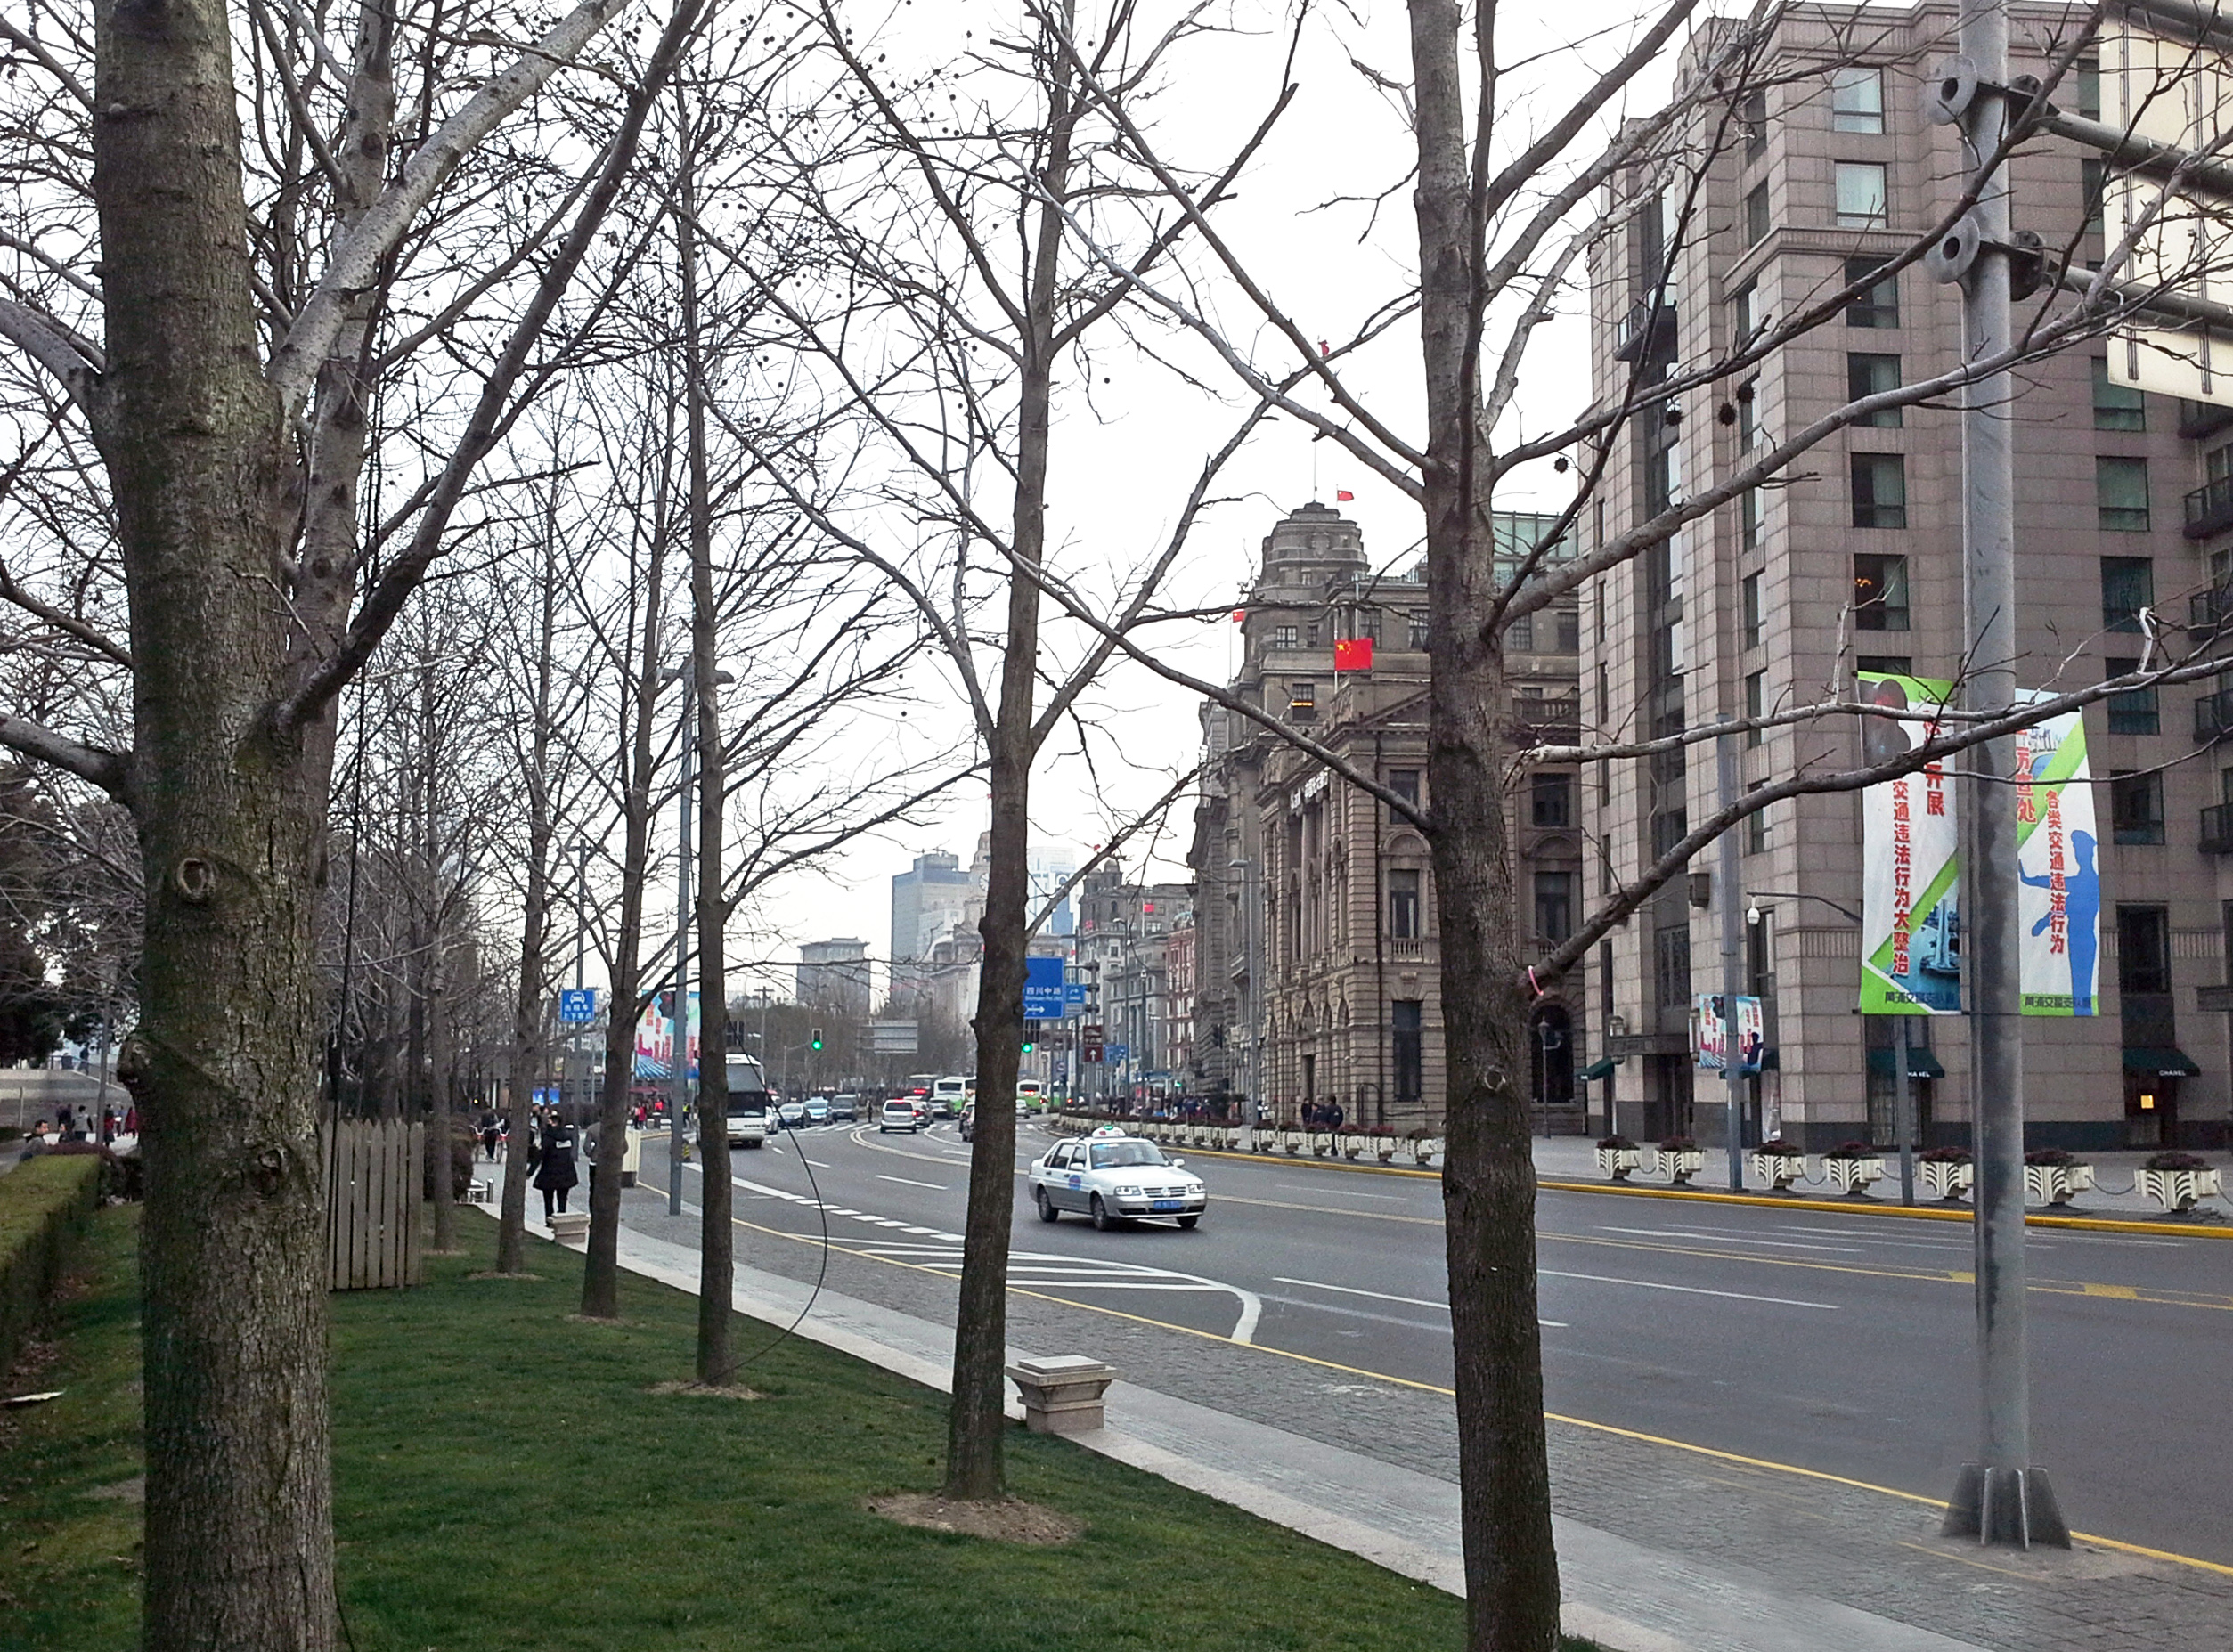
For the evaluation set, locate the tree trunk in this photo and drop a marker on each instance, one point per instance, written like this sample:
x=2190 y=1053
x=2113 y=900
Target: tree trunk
x=1511 y=1574
x=224 y=1065
x=601 y=1271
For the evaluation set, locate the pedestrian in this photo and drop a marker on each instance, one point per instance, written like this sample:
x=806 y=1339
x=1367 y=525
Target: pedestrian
x=36 y=1143
x=554 y=1163
x=488 y=1137
x=108 y=1125
x=131 y=1121
x=61 y=1121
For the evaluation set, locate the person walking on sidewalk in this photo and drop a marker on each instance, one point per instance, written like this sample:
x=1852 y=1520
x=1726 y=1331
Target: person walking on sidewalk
x=554 y=1163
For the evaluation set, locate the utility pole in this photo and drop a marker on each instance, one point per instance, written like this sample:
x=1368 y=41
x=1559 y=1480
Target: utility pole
x=1733 y=967
x=2000 y=1498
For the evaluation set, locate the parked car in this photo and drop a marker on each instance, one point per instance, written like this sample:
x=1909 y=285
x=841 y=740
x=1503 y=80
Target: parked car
x=817 y=1110
x=846 y=1107
x=791 y=1115
x=897 y=1116
x=1113 y=1178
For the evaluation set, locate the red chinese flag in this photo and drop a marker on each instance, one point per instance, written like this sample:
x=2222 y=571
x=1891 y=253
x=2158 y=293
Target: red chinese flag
x=1239 y=614
x=1353 y=654
x=1342 y=496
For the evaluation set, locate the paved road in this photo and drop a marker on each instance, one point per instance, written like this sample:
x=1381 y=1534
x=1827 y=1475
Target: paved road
x=1840 y=1344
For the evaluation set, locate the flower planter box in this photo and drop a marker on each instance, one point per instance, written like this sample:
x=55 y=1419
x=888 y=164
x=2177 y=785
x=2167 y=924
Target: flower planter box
x=1680 y=1165
x=1852 y=1177
x=1947 y=1178
x=1293 y=1141
x=2179 y=1190
x=2053 y=1184
x=1778 y=1170
x=1617 y=1162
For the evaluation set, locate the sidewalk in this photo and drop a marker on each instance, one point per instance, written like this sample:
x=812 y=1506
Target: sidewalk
x=1626 y=1595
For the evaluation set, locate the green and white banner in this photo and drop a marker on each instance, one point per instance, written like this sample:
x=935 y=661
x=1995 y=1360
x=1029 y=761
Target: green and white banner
x=2058 y=860
x=1910 y=950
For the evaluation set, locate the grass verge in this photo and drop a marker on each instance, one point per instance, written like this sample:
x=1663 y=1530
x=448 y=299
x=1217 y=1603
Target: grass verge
x=507 y=1478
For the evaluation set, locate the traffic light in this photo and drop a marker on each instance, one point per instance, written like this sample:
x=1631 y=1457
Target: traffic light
x=1030 y=1036
x=1029 y=1047
x=815 y=1037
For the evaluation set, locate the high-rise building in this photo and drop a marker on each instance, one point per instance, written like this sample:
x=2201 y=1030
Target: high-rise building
x=834 y=974
x=929 y=900
x=1317 y=962
x=1851 y=561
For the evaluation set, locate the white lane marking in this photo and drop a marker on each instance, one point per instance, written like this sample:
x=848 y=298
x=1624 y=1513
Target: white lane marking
x=1690 y=1291
x=1351 y=1290
x=818 y=1164
x=936 y=1187
x=1125 y=1284
x=1340 y=1192
x=923 y=1231
x=1713 y=1237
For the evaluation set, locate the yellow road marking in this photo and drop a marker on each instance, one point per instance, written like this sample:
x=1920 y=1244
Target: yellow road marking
x=1431 y=1387
x=2122 y=1292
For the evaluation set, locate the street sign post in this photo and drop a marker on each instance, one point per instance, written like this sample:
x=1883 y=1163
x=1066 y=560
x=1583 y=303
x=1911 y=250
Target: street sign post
x=892 y=1038
x=577 y=1005
x=1043 y=990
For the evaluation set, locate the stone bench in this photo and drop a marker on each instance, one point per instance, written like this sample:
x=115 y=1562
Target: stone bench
x=571 y=1228
x=1062 y=1394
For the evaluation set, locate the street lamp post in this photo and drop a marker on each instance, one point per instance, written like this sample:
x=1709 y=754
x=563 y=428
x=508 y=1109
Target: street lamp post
x=580 y=849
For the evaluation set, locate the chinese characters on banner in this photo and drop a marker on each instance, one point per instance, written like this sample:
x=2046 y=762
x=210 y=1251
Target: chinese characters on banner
x=1910 y=927
x=2058 y=905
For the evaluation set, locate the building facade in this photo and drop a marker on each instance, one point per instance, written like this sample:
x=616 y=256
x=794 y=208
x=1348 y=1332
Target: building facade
x=834 y=973
x=1852 y=562
x=930 y=901
x=1317 y=970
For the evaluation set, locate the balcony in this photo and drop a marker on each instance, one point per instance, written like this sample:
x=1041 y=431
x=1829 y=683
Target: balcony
x=2217 y=830
x=1630 y=342
x=2209 y=509
x=2198 y=421
x=2213 y=716
x=1405 y=950
x=2210 y=611
x=1545 y=718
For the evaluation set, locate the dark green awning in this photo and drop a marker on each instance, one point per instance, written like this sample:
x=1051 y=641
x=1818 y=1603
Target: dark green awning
x=1920 y=1064
x=2164 y=1062
x=1598 y=1069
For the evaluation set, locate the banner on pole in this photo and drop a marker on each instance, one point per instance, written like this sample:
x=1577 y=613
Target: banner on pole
x=2059 y=864
x=1710 y=1034
x=654 y=1039
x=1911 y=923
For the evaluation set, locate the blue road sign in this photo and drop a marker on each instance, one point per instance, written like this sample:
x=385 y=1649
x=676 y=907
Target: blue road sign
x=1073 y=995
x=1118 y=1052
x=577 y=1004
x=1043 y=990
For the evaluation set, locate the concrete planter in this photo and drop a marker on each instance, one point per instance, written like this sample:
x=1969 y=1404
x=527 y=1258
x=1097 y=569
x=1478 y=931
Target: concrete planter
x=2053 y=1184
x=1617 y=1162
x=1061 y=1395
x=2179 y=1190
x=1679 y=1168
x=1945 y=1179
x=1852 y=1175
x=1778 y=1170
x=1424 y=1149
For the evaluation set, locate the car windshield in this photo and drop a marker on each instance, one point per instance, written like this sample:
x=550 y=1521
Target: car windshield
x=1114 y=1155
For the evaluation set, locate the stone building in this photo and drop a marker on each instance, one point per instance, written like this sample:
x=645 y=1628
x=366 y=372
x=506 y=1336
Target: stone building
x=834 y=973
x=1851 y=563
x=1317 y=972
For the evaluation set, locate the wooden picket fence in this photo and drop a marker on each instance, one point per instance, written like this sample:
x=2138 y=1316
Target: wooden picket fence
x=375 y=1176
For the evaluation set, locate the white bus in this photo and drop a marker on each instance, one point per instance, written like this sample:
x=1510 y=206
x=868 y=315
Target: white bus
x=949 y=1094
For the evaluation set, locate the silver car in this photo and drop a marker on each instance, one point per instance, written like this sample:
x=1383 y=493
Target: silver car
x=1113 y=1178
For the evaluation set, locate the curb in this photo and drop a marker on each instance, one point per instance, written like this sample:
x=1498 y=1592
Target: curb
x=2109 y=1224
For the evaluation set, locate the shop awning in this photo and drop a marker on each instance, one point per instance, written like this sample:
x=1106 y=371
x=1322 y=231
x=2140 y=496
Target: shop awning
x=1920 y=1064
x=2162 y=1061
x=1595 y=1071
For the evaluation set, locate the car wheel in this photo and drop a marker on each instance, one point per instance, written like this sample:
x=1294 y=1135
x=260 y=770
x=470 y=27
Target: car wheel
x=1188 y=1221
x=1046 y=1211
x=1102 y=1219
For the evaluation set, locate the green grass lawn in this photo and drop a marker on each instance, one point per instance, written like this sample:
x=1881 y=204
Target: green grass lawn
x=504 y=1479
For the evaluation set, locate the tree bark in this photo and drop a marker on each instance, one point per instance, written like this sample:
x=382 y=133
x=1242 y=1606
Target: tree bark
x=1488 y=1176
x=224 y=1065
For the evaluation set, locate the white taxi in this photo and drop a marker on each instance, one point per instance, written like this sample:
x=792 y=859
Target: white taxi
x=1113 y=1178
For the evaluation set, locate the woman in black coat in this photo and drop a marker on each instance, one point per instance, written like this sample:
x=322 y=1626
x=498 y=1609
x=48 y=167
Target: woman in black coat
x=555 y=1171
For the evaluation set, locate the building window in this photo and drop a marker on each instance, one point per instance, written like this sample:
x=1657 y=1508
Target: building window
x=1405 y=784
x=1861 y=198
x=2128 y=585
x=1879 y=593
x=1879 y=490
x=1310 y=635
x=2134 y=711
x=1567 y=623
x=1757 y=838
x=2116 y=406
x=1756 y=703
x=1856 y=99
x=1751 y=589
x=1554 y=906
x=2143 y=950
x=1408 y=1047
x=1868 y=374
x=1748 y=518
x=1519 y=634
x=1302 y=700
x=1757 y=215
x=2087 y=72
x=1403 y=903
x=2120 y=494
x=1886 y=665
x=1753 y=113
x=1284 y=637
x=1877 y=305
x=1550 y=798
x=2136 y=808
x=1745 y=313
x=1418 y=632
x=2093 y=183
x=1748 y=413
